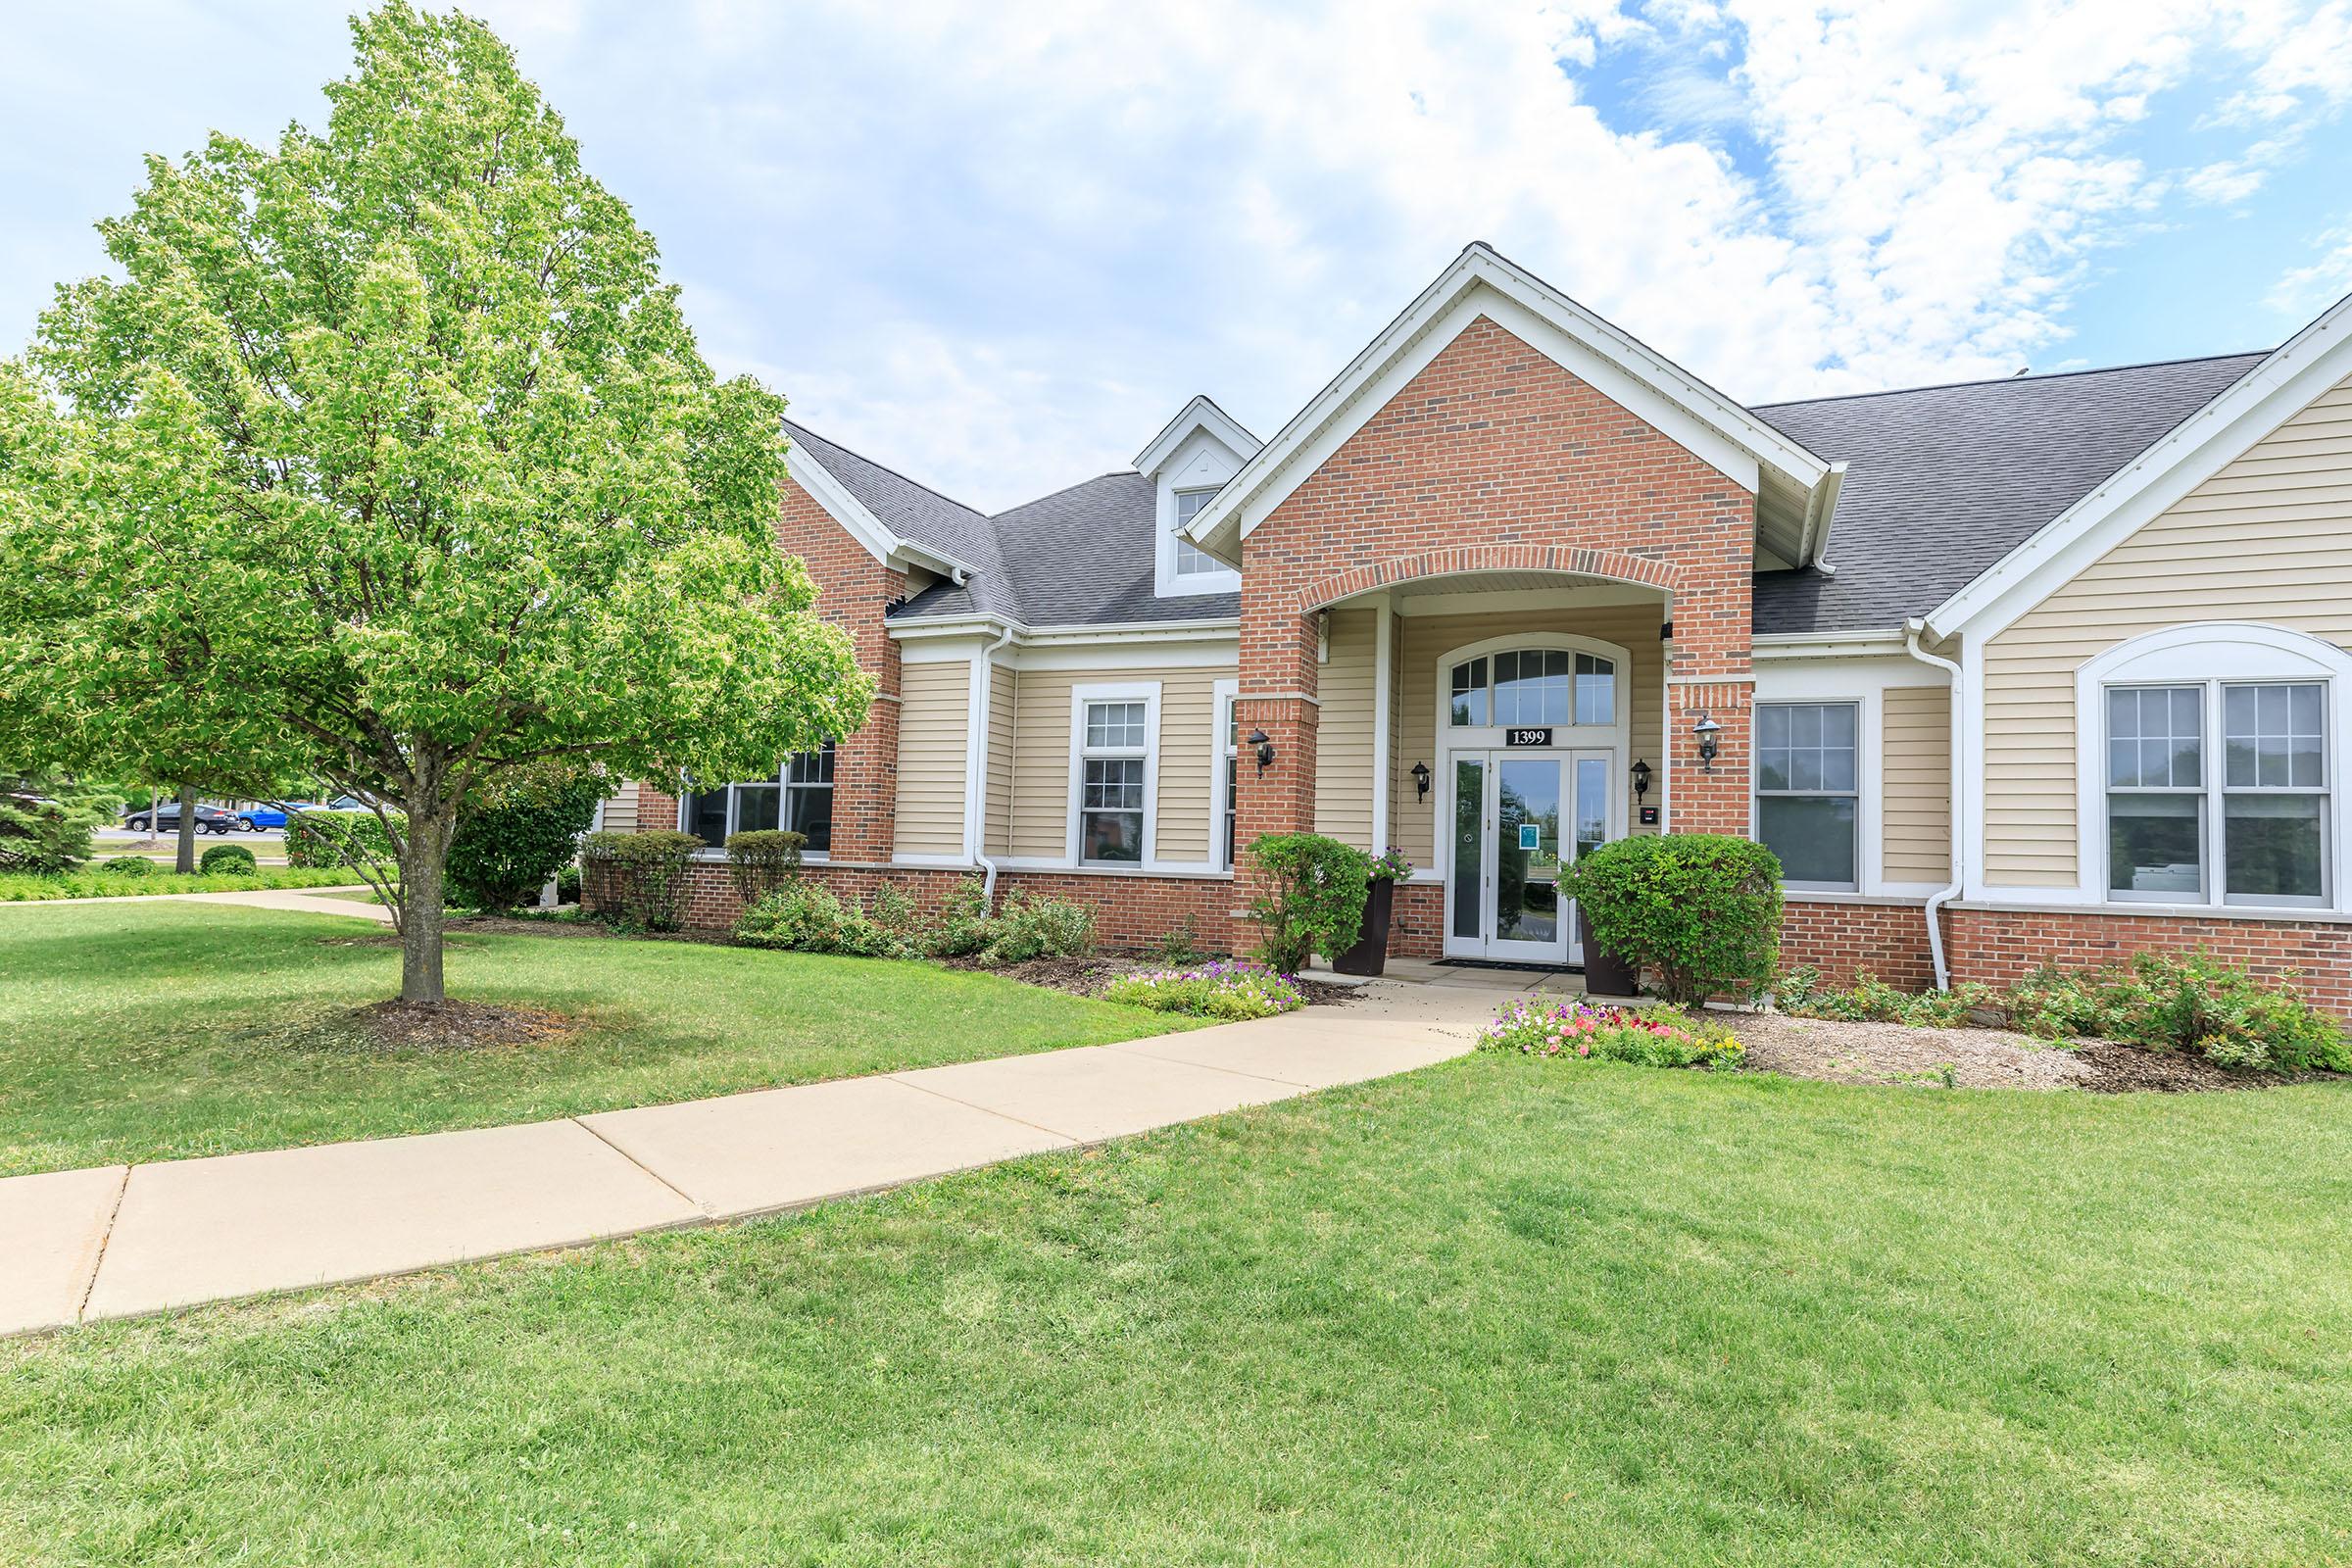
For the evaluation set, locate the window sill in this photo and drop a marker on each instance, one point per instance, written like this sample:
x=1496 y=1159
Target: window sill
x=2260 y=913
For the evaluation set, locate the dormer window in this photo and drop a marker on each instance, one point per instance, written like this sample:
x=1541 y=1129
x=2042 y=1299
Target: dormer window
x=1191 y=560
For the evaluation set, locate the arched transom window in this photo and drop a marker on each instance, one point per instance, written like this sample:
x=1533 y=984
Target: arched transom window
x=1531 y=686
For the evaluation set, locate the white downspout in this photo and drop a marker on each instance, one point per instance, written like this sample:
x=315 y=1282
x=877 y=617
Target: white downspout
x=1938 y=900
x=984 y=671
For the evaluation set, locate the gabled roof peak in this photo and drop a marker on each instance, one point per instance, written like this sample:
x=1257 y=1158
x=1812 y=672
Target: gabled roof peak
x=1200 y=413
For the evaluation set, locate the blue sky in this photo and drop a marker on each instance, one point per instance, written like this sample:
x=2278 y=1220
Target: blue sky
x=997 y=246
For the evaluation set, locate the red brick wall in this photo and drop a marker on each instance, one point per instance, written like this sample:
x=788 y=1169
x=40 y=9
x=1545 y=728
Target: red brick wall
x=1493 y=457
x=1131 y=912
x=2000 y=946
x=856 y=590
x=1842 y=940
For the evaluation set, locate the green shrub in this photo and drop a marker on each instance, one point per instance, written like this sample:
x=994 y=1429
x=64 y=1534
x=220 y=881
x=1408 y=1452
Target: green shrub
x=568 y=884
x=506 y=851
x=1702 y=910
x=1029 y=927
x=1650 y=1036
x=964 y=924
x=1228 y=990
x=761 y=859
x=319 y=839
x=1801 y=993
x=807 y=917
x=127 y=866
x=1317 y=901
x=646 y=874
x=227 y=860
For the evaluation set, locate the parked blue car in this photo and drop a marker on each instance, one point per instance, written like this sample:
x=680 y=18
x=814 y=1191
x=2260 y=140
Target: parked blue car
x=268 y=814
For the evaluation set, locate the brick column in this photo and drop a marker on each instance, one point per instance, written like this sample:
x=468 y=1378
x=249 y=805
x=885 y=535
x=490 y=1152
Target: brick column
x=855 y=592
x=1712 y=671
x=1278 y=679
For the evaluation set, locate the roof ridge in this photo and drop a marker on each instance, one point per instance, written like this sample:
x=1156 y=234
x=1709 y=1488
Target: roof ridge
x=1038 y=500
x=2004 y=380
x=875 y=463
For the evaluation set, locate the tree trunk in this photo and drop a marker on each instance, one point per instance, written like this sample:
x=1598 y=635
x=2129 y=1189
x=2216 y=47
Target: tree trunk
x=188 y=831
x=423 y=868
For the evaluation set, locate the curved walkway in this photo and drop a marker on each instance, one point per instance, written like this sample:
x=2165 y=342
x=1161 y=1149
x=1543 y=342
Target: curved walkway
x=121 y=1240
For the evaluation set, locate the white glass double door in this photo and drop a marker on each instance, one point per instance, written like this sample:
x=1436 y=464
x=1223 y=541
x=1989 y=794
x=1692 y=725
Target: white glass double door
x=1515 y=821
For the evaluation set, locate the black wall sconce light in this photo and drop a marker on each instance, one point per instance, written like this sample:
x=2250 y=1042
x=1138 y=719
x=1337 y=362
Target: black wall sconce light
x=1706 y=729
x=1641 y=779
x=1420 y=781
x=1266 y=750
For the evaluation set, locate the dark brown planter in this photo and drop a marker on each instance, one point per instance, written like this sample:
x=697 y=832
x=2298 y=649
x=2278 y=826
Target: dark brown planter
x=1605 y=973
x=1370 y=955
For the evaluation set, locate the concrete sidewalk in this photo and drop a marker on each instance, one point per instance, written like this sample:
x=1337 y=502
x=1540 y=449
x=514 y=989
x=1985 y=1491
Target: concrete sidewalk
x=306 y=901
x=120 y=1241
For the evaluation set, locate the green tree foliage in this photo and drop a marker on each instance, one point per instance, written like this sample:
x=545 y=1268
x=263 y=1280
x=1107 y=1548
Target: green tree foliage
x=387 y=460
x=506 y=851
x=1700 y=910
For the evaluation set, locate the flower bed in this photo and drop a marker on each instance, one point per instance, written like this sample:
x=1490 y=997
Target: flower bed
x=1228 y=990
x=1652 y=1037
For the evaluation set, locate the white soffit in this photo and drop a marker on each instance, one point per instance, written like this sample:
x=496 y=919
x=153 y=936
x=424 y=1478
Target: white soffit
x=1783 y=474
x=877 y=537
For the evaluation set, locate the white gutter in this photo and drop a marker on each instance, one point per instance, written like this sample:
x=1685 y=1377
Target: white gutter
x=1943 y=895
x=983 y=673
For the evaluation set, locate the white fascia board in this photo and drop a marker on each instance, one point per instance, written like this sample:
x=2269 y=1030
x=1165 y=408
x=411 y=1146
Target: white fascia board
x=2143 y=489
x=1202 y=412
x=1136 y=631
x=879 y=539
x=1708 y=421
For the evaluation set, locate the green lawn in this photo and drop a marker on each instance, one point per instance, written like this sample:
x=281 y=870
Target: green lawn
x=150 y=1031
x=1502 y=1312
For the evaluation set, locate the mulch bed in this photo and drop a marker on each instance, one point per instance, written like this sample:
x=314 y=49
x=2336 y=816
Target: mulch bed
x=457 y=1025
x=1842 y=1050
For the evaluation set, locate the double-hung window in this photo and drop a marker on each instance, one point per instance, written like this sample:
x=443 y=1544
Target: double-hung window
x=1808 y=790
x=1191 y=560
x=2253 y=830
x=1113 y=757
x=799 y=798
x=1229 y=753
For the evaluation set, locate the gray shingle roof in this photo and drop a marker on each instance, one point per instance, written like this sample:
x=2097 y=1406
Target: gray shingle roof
x=1941 y=483
x=1944 y=481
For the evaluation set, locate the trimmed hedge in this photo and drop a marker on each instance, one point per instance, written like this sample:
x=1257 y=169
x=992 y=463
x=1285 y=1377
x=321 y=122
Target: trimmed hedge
x=1317 y=902
x=646 y=872
x=1702 y=910
x=761 y=858
x=227 y=860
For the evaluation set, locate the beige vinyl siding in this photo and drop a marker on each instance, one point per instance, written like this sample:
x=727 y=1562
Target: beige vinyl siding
x=621 y=811
x=1421 y=640
x=997 y=828
x=1916 y=783
x=1187 y=787
x=1184 y=789
x=2266 y=539
x=1343 y=729
x=934 y=725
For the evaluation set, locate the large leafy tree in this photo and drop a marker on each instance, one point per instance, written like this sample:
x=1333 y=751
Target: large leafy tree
x=389 y=460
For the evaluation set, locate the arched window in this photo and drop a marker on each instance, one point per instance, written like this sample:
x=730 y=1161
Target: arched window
x=1533 y=686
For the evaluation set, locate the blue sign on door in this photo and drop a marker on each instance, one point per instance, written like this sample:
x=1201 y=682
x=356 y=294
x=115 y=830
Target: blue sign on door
x=1531 y=836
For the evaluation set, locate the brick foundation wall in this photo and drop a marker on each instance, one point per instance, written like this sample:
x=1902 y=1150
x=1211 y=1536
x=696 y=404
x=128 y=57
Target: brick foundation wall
x=2000 y=946
x=1843 y=938
x=1131 y=912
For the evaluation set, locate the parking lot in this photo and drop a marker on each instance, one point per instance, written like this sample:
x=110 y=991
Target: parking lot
x=269 y=844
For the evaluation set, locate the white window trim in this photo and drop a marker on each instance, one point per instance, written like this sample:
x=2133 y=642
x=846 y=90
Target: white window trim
x=1147 y=693
x=2210 y=654
x=1867 y=785
x=1221 y=746
x=1489 y=737
x=807 y=856
x=1166 y=583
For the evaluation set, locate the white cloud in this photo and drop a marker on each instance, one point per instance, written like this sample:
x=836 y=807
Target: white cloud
x=997 y=246
x=2305 y=291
